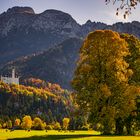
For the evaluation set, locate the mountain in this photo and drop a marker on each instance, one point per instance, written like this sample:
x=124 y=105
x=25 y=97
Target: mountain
x=55 y=65
x=130 y=28
x=22 y=32
x=92 y=26
x=46 y=45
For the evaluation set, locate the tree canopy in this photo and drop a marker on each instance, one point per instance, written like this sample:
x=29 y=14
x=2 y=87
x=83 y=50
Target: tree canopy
x=102 y=80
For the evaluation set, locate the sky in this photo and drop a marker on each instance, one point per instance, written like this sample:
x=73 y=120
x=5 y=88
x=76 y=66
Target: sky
x=80 y=10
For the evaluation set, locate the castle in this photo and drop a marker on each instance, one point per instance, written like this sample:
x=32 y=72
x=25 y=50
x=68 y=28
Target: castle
x=11 y=80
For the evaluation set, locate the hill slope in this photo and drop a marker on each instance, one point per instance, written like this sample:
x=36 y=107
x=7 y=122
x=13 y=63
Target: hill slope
x=55 y=65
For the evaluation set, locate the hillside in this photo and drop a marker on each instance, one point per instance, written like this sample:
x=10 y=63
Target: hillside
x=35 y=98
x=23 y=32
x=46 y=45
x=55 y=65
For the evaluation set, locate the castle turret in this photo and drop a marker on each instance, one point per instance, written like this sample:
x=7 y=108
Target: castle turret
x=11 y=80
x=13 y=73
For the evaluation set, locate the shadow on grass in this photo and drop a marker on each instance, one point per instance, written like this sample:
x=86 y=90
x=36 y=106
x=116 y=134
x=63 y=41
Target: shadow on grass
x=54 y=137
x=61 y=137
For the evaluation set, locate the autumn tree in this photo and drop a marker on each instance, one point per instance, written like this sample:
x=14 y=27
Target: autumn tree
x=134 y=59
x=66 y=123
x=126 y=5
x=27 y=122
x=17 y=122
x=9 y=124
x=101 y=80
x=134 y=63
x=57 y=126
x=38 y=124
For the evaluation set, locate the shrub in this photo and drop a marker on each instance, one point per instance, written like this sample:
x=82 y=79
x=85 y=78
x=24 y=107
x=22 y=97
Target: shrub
x=4 y=125
x=9 y=124
x=66 y=123
x=26 y=122
x=85 y=127
x=98 y=127
x=49 y=127
x=0 y=126
x=38 y=124
x=57 y=126
x=17 y=122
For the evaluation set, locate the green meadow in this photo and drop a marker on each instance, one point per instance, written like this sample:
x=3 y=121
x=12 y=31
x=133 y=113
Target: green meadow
x=56 y=135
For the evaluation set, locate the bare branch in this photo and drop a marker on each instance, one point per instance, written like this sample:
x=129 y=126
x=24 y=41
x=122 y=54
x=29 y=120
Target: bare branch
x=126 y=5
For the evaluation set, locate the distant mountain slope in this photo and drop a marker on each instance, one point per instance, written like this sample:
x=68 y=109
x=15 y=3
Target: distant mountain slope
x=22 y=32
x=130 y=28
x=30 y=40
x=55 y=65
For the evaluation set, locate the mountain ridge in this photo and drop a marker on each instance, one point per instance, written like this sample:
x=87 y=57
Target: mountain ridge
x=25 y=34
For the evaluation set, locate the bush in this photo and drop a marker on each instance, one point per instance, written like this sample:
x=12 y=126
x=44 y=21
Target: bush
x=17 y=122
x=85 y=127
x=98 y=127
x=9 y=124
x=38 y=124
x=66 y=123
x=57 y=126
x=4 y=125
x=0 y=126
x=49 y=127
x=26 y=122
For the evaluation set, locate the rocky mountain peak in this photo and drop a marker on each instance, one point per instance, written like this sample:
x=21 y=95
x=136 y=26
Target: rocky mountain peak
x=57 y=21
x=17 y=9
x=56 y=14
x=89 y=22
x=136 y=23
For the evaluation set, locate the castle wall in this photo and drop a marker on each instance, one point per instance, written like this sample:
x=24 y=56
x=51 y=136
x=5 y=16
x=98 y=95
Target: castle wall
x=10 y=80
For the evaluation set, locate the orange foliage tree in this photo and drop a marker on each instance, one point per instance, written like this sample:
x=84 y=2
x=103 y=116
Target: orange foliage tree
x=101 y=80
x=26 y=122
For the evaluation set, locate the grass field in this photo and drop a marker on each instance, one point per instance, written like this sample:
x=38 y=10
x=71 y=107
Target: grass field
x=55 y=135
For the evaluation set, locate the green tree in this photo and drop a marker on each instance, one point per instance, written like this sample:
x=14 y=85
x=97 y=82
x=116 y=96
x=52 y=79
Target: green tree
x=134 y=63
x=101 y=80
x=9 y=124
x=134 y=59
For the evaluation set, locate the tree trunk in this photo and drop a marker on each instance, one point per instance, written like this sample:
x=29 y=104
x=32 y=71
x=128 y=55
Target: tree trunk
x=128 y=122
x=119 y=126
x=107 y=129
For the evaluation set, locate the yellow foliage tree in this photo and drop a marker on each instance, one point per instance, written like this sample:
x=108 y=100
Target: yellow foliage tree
x=38 y=124
x=26 y=122
x=57 y=126
x=101 y=80
x=66 y=123
x=17 y=122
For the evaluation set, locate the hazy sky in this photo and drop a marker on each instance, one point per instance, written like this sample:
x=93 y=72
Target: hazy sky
x=80 y=10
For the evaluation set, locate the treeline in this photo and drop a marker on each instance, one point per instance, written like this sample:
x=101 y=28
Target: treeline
x=36 y=98
x=28 y=123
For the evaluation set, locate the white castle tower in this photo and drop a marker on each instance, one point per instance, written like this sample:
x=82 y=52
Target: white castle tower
x=11 y=80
